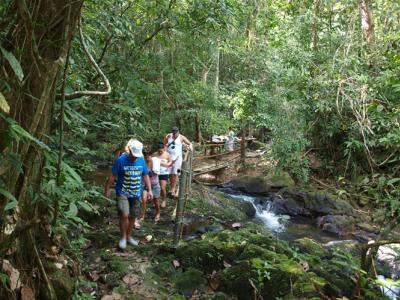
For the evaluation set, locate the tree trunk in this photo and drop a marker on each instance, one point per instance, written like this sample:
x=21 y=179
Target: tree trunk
x=243 y=144
x=199 y=137
x=41 y=51
x=216 y=83
x=315 y=25
x=367 y=24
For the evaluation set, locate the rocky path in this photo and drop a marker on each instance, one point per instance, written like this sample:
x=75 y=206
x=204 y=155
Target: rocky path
x=115 y=274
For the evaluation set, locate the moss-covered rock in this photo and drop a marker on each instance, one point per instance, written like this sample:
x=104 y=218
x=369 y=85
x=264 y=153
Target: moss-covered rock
x=309 y=246
x=262 y=185
x=62 y=283
x=189 y=281
x=251 y=184
x=273 y=278
x=295 y=202
x=280 y=180
x=308 y=286
x=207 y=254
x=252 y=256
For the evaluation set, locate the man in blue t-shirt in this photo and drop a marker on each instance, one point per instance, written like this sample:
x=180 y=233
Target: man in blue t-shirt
x=130 y=170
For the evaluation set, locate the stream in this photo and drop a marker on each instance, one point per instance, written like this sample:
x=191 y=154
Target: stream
x=291 y=228
x=285 y=227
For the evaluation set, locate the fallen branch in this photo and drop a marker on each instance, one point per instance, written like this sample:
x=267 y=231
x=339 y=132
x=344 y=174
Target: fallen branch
x=96 y=66
x=320 y=182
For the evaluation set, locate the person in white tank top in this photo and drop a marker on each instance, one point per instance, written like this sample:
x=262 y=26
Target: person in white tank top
x=165 y=163
x=173 y=144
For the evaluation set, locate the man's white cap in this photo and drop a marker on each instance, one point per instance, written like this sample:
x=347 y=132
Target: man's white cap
x=135 y=147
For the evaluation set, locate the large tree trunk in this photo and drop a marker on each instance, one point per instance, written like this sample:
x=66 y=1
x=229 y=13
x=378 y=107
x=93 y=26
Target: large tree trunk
x=39 y=37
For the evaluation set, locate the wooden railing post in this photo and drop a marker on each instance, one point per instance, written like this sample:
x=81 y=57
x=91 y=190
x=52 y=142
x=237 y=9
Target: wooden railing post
x=184 y=189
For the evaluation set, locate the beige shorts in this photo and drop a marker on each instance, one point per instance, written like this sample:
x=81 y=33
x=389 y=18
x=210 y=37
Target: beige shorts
x=156 y=190
x=176 y=167
x=126 y=206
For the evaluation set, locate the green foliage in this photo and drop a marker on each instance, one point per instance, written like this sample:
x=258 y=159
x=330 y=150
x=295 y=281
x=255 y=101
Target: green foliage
x=14 y=63
x=262 y=271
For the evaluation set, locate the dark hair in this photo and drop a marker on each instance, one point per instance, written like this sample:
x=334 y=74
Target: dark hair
x=160 y=146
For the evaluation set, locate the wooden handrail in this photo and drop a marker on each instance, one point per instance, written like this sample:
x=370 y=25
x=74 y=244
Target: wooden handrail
x=215 y=155
x=216 y=144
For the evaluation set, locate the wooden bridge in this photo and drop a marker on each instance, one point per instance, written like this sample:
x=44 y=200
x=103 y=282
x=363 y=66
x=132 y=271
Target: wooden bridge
x=222 y=157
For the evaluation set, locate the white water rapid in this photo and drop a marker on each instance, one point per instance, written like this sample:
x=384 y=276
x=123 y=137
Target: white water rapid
x=389 y=288
x=265 y=214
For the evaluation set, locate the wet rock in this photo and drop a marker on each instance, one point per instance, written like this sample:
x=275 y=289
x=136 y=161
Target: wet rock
x=388 y=255
x=364 y=236
x=287 y=206
x=256 y=145
x=337 y=224
x=250 y=184
x=368 y=227
x=248 y=209
x=331 y=228
x=295 y=202
x=209 y=228
x=343 y=245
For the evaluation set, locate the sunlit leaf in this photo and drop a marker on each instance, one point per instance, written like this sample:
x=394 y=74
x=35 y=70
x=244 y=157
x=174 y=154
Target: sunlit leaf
x=3 y=104
x=14 y=63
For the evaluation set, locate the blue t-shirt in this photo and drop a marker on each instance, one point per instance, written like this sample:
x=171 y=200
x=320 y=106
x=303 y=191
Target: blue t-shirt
x=129 y=180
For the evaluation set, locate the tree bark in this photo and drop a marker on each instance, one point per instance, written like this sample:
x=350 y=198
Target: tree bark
x=243 y=144
x=199 y=137
x=40 y=39
x=217 y=58
x=367 y=23
x=315 y=25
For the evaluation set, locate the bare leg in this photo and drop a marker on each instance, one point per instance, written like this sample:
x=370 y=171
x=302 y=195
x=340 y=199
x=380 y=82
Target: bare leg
x=157 y=206
x=136 y=213
x=163 y=185
x=129 y=228
x=144 y=205
x=123 y=225
x=173 y=178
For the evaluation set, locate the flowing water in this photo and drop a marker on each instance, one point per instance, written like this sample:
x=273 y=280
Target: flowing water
x=290 y=229
x=285 y=227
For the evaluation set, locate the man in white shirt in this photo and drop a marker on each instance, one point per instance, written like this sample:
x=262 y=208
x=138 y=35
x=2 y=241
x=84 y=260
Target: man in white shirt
x=173 y=143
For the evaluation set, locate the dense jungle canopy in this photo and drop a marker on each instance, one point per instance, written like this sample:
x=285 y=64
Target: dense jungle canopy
x=318 y=81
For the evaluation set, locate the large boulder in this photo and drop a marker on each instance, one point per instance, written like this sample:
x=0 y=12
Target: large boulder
x=296 y=202
x=261 y=185
x=340 y=225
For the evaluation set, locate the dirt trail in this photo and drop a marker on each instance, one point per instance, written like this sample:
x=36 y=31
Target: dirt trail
x=126 y=272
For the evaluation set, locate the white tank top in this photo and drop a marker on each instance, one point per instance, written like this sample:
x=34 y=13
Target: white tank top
x=163 y=170
x=174 y=147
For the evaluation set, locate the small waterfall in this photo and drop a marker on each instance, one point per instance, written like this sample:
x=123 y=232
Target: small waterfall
x=263 y=213
x=389 y=288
